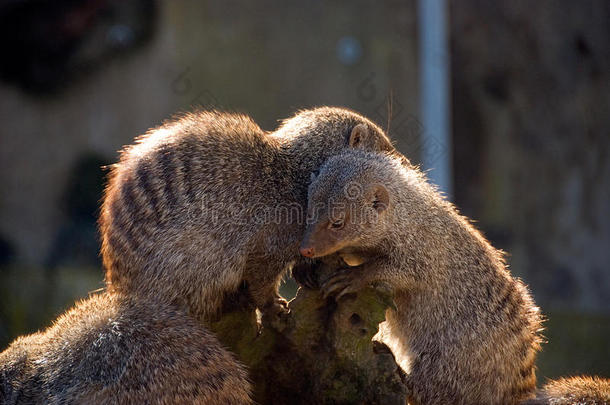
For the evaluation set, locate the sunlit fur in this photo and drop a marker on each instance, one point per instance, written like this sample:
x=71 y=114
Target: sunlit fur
x=574 y=390
x=114 y=349
x=464 y=329
x=179 y=217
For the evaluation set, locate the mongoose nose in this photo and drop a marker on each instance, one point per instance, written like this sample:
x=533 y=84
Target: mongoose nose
x=307 y=251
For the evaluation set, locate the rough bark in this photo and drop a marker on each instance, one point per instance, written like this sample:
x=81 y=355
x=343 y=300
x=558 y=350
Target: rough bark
x=324 y=354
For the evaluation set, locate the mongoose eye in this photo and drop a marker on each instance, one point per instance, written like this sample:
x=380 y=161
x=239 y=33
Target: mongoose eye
x=338 y=224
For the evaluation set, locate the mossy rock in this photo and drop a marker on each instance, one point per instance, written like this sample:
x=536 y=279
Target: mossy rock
x=324 y=355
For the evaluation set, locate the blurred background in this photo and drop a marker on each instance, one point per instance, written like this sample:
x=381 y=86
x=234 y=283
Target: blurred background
x=528 y=147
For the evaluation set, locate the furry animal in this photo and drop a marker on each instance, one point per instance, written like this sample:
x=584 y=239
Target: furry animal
x=193 y=210
x=464 y=330
x=209 y=201
x=115 y=349
x=574 y=390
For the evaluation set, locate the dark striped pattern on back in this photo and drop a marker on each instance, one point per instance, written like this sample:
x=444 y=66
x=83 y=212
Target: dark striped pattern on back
x=519 y=324
x=144 y=198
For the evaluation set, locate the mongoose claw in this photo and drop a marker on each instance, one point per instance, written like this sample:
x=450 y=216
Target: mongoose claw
x=345 y=281
x=279 y=306
x=306 y=275
x=277 y=314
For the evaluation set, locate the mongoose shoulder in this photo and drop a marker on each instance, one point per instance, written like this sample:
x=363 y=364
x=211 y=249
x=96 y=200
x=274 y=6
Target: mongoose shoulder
x=116 y=349
x=209 y=201
x=464 y=329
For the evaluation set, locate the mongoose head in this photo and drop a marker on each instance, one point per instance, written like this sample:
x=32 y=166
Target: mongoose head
x=348 y=202
x=331 y=129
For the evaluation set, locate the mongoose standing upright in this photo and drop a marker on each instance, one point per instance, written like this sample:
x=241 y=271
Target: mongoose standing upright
x=113 y=349
x=464 y=330
x=209 y=201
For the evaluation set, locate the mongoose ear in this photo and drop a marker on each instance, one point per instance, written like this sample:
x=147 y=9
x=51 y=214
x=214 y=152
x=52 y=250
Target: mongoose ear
x=359 y=133
x=381 y=199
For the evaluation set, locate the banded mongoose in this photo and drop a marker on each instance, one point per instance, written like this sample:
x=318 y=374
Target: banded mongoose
x=115 y=349
x=464 y=330
x=208 y=201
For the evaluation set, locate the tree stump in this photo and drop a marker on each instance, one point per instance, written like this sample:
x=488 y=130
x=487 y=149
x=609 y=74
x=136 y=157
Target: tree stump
x=324 y=353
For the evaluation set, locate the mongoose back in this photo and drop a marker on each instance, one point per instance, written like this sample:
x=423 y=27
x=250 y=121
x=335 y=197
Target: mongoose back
x=208 y=201
x=464 y=330
x=113 y=349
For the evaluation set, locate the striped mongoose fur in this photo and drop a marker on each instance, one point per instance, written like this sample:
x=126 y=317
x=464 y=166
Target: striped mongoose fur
x=113 y=349
x=191 y=211
x=209 y=201
x=464 y=330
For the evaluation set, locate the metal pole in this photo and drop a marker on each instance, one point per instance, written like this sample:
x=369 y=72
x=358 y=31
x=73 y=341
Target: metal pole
x=435 y=92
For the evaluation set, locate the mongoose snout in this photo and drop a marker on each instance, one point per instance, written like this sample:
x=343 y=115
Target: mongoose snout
x=307 y=251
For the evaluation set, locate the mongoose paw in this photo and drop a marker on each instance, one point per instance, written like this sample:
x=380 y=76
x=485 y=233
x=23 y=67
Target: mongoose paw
x=344 y=281
x=277 y=314
x=282 y=305
x=306 y=275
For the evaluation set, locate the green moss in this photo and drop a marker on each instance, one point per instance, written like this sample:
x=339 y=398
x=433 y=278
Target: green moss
x=238 y=330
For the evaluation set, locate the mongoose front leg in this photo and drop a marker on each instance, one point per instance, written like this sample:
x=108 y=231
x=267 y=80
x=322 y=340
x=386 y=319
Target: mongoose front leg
x=263 y=288
x=268 y=300
x=352 y=279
